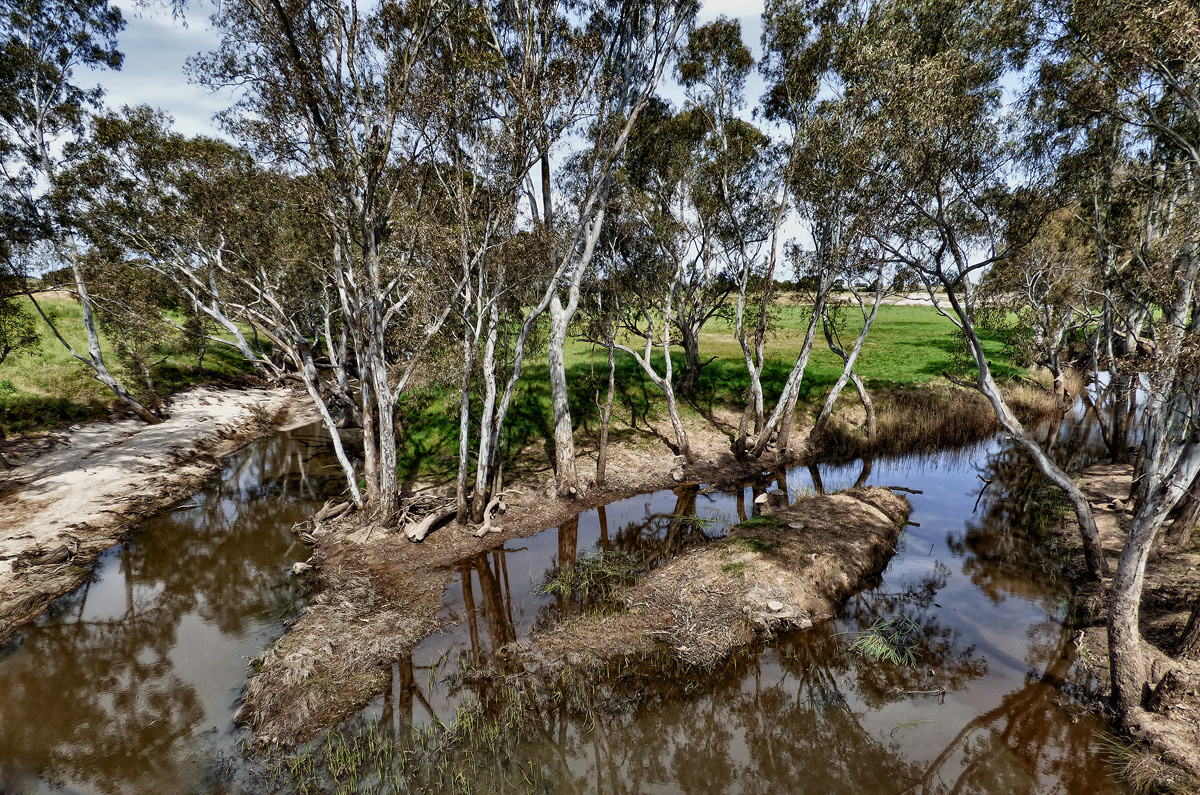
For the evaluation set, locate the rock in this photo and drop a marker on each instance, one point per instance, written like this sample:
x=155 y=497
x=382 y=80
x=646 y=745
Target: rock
x=677 y=474
x=300 y=569
x=796 y=525
x=804 y=623
x=775 y=605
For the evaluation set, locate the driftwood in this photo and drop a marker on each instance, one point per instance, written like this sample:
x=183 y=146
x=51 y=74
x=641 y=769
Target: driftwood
x=904 y=489
x=488 y=512
x=417 y=531
x=330 y=511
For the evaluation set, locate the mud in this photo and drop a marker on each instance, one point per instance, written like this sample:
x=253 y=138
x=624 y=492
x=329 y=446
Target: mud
x=73 y=496
x=379 y=596
x=784 y=569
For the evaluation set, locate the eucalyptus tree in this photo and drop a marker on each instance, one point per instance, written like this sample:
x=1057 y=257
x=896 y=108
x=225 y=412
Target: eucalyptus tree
x=631 y=45
x=734 y=184
x=166 y=203
x=957 y=195
x=552 y=74
x=656 y=253
x=1045 y=288
x=663 y=238
x=799 y=42
x=1136 y=66
x=43 y=113
x=345 y=96
x=832 y=322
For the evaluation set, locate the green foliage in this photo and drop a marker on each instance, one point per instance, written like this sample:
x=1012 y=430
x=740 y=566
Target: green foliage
x=762 y=521
x=890 y=640
x=594 y=576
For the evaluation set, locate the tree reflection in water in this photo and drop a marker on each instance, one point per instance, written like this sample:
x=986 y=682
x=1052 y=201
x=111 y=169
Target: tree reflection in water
x=983 y=709
x=117 y=690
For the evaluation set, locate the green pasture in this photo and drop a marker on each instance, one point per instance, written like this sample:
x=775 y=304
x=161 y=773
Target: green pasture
x=908 y=345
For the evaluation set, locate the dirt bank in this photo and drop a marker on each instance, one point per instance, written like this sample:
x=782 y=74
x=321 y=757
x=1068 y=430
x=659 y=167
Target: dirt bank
x=378 y=596
x=73 y=495
x=788 y=568
x=1166 y=753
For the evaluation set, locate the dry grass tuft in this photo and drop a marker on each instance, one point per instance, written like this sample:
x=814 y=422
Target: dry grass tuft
x=931 y=419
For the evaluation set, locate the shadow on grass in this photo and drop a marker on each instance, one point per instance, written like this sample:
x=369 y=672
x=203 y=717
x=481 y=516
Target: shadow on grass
x=24 y=411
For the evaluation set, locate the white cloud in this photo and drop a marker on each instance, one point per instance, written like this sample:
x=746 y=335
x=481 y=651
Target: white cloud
x=156 y=48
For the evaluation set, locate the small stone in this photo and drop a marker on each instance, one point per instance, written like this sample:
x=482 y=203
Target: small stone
x=775 y=605
x=796 y=525
x=803 y=623
x=300 y=569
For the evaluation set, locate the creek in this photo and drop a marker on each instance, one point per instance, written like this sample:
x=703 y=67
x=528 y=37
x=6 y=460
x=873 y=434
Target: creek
x=130 y=684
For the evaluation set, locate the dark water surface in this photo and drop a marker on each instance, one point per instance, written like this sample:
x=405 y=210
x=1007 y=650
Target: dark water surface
x=130 y=686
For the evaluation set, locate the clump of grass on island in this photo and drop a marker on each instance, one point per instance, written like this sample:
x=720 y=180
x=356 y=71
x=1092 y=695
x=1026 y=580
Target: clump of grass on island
x=595 y=576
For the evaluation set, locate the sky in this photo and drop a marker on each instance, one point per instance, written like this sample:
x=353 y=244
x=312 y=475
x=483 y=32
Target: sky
x=157 y=46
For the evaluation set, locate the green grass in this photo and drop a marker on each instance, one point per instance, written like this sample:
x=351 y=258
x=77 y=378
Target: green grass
x=46 y=387
x=908 y=345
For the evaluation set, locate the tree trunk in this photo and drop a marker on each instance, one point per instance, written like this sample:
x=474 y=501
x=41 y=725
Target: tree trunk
x=566 y=473
x=95 y=358
x=690 y=379
x=849 y=360
x=370 y=444
x=490 y=424
x=389 y=476
x=785 y=409
x=606 y=420
x=869 y=408
x=464 y=431
x=1093 y=551
x=1188 y=646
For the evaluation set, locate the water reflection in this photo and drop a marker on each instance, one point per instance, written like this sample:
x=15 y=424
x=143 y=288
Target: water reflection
x=983 y=709
x=130 y=684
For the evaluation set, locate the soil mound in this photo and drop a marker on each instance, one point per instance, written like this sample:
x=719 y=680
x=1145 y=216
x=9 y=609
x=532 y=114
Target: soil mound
x=781 y=570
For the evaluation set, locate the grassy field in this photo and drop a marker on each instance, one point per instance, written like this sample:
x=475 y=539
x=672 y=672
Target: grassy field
x=908 y=345
x=47 y=387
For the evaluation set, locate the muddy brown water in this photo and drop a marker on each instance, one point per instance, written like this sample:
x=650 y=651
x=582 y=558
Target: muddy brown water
x=130 y=685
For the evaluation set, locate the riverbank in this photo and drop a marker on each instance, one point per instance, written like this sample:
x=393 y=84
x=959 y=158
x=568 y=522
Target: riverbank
x=72 y=495
x=377 y=595
x=1164 y=754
